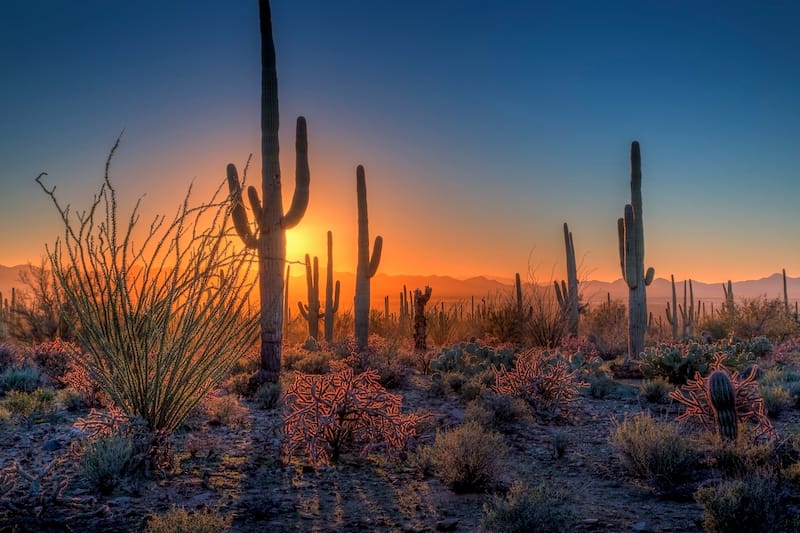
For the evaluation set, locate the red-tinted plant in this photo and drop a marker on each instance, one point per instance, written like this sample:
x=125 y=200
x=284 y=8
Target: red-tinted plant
x=54 y=357
x=749 y=406
x=325 y=414
x=546 y=382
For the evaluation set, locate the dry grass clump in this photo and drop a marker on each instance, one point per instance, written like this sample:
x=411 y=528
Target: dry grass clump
x=467 y=458
x=538 y=509
x=654 y=452
x=750 y=504
x=179 y=520
x=106 y=461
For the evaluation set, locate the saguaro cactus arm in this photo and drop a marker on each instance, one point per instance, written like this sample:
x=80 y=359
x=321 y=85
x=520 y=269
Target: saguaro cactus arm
x=302 y=179
x=238 y=213
x=375 y=260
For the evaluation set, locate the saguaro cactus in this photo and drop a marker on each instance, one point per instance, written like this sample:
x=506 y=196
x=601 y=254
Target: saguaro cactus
x=672 y=312
x=729 y=303
x=785 y=293
x=310 y=311
x=420 y=322
x=688 y=314
x=331 y=294
x=367 y=265
x=267 y=234
x=630 y=229
x=723 y=400
x=567 y=293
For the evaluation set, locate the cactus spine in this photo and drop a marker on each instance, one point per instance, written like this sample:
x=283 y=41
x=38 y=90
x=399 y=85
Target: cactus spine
x=567 y=293
x=630 y=231
x=723 y=400
x=268 y=236
x=331 y=293
x=310 y=311
x=367 y=265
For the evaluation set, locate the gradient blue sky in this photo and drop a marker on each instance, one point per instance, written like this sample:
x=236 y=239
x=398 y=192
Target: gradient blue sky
x=483 y=126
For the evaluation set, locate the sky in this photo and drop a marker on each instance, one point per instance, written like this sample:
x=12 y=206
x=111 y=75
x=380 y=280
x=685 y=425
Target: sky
x=483 y=125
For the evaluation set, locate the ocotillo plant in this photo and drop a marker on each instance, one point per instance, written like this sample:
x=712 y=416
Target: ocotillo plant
x=310 y=311
x=420 y=322
x=268 y=236
x=567 y=293
x=331 y=294
x=367 y=265
x=630 y=230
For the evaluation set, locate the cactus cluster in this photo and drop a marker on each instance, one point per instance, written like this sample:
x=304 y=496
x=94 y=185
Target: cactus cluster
x=689 y=312
x=471 y=358
x=310 y=310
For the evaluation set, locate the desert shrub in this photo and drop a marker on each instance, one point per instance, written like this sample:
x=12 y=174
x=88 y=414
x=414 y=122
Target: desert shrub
x=751 y=504
x=606 y=329
x=72 y=400
x=268 y=395
x=538 y=509
x=504 y=408
x=326 y=414
x=79 y=379
x=472 y=358
x=29 y=407
x=8 y=356
x=468 y=458
x=164 y=316
x=238 y=384
x=53 y=358
x=678 y=363
x=21 y=379
x=656 y=453
x=656 y=390
x=749 y=405
x=106 y=461
x=776 y=399
x=314 y=363
x=742 y=458
x=601 y=387
x=760 y=346
x=226 y=411
x=179 y=520
x=546 y=382
x=763 y=317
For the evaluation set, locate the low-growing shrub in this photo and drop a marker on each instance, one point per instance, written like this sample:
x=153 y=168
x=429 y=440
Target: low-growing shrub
x=21 y=379
x=750 y=504
x=656 y=390
x=106 y=461
x=504 y=408
x=743 y=458
x=560 y=440
x=538 y=509
x=179 y=520
x=54 y=357
x=656 y=453
x=268 y=395
x=238 y=384
x=468 y=458
x=776 y=399
x=8 y=356
x=226 y=411
x=30 y=407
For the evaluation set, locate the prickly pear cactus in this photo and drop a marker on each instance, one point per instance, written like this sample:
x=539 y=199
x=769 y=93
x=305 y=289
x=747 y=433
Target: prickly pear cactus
x=723 y=399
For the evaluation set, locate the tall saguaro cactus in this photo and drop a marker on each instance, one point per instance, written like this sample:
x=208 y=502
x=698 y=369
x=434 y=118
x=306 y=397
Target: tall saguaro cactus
x=567 y=293
x=630 y=229
x=331 y=294
x=267 y=233
x=367 y=265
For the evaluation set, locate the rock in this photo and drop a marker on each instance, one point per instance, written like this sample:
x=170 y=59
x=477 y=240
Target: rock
x=448 y=524
x=641 y=526
x=52 y=445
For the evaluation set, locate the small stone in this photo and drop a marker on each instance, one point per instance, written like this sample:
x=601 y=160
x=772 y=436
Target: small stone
x=641 y=526
x=52 y=445
x=448 y=524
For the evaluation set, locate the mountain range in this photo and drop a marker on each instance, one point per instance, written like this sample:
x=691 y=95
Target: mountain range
x=451 y=290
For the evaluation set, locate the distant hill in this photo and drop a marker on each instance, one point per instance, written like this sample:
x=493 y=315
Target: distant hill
x=452 y=290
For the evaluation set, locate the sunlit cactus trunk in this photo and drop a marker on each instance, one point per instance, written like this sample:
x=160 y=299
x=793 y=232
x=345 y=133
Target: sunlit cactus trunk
x=267 y=234
x=420 y=322
x=367 y=265
x=630 y=230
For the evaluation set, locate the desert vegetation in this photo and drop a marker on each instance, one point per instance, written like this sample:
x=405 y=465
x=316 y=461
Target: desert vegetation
x=144 y=388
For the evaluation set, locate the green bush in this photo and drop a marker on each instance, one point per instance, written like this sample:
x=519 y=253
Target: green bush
x=776 y=399
x=181 y=521
x=106 y=461
x=468 y=458
x=30 y=407
x=656 y=390
x=654 y=452
x=750 y=505
x=21 y=378
x=268 y=395
x=537 y=509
